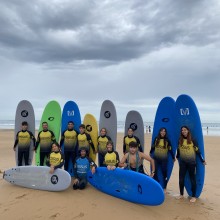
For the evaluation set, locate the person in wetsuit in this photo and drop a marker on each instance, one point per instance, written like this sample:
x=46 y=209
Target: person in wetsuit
x=102 y=142
x=84 y=140
x=133 y=160
x=159 y=152
x=186 y=153
x=56 y=158
x=81 y=167
x=45 y=138
x=131 y=138
x=69 y=142
x=111 y=158
x=23 y=142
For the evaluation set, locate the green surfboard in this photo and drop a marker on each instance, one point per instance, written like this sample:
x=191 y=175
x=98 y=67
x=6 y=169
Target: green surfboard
x=51 y=115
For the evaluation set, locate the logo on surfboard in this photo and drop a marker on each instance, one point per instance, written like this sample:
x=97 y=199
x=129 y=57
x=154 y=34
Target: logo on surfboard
x=133 y=126
x=89 y=128
x=24 y=113
x=70 y=113
x=54 y=179
x=51 y=118
x=107 y=114
x=184 y=111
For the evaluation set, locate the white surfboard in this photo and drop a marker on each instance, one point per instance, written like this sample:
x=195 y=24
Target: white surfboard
x=38 y=177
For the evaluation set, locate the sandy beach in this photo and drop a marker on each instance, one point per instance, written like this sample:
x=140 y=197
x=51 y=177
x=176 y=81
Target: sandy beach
x=22 y=203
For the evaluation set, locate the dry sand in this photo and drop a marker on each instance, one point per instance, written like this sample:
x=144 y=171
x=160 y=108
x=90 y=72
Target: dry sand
x=20 y=203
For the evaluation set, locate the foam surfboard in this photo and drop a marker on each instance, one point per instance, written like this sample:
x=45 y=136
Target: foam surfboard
x=38 y=177
x=91 y=128
x=164 y=118
x=51 y=115
x=70 y=113
x=128 y=185
x=134 y=120
x=25 y=112
x=108 y=120
x=187 y=114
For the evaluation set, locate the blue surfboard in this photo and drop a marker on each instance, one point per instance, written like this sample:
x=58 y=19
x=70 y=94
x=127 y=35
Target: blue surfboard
x=70 y=113
x=187 y=114
x=128 y=185
x=165 y=118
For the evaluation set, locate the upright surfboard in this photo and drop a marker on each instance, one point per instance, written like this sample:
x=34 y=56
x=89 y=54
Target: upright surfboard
x=38 y=177
x=164 y=118
x=187 y=115
x=70 y=113
x=51 y=115
x=134 y=120
x=108 y=120
x=25 y=112
x=128 y=185
x=91 y=128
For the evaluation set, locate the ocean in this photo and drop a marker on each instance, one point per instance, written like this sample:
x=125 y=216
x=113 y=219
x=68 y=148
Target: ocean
x=213 y=128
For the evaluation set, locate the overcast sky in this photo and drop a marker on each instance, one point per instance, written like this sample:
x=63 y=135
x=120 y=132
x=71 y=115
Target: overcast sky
x=132 y=52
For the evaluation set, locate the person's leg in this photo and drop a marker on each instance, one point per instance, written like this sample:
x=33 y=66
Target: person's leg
x=101 y=159
x=26 y=157
x=20 y=157
x=82 y=183
x=164 y=173
x=42 y=157
x=192 y=176
x=67 y=157
x=157 y=165
x=182 y=174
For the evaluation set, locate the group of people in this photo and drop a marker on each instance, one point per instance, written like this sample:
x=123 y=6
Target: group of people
x=77 y=146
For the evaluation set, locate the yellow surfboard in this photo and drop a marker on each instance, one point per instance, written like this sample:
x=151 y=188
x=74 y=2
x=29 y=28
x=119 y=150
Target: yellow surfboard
x=92 y=129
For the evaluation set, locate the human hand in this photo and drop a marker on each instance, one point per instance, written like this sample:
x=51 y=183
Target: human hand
x=93 y=170
x=51 y=170
x=75 y=181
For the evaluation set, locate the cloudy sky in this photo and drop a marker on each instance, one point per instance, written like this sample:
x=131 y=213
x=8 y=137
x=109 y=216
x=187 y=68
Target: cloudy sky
x=132 y=52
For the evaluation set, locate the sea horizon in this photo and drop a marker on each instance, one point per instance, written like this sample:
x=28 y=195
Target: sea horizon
x=208 y=128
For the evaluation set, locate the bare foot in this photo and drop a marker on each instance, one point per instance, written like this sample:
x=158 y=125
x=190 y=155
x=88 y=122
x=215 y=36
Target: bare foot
x=193 y=199
x=180 y=197
x=165 y=191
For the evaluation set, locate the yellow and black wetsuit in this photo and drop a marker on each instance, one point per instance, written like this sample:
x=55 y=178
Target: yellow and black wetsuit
x=187 y=162
x=159 y=151
x=111 y=159
x=84 y=140
x=56 y=159
x=69 y=144
x=102 y=150
x=129 y=139
x=45 y=139
x=23 y=141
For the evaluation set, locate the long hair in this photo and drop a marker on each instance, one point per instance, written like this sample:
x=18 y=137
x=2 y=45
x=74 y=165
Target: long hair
x=189 y=136
x=159 y=137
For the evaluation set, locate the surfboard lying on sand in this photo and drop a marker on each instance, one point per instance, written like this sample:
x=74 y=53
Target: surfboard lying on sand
x=38 y=177
x=187 y=114
x=128 y=185
x=25 y=112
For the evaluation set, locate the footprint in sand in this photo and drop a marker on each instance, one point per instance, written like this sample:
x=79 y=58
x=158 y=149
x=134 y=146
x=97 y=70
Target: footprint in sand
x=20 y=197
x=81 y=214
x=55 y=215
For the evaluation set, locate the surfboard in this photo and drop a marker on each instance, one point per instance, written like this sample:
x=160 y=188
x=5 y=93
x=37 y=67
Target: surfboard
x=51 y=115
x=128 y=185
x=108 y=120
x=91 y=128
x=38 y=177
x=25 y=112
x=164 y=118
x=70 y=113
x=187 y=114
x=134 y=120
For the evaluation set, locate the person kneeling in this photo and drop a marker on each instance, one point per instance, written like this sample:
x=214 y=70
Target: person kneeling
x=81 y=167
